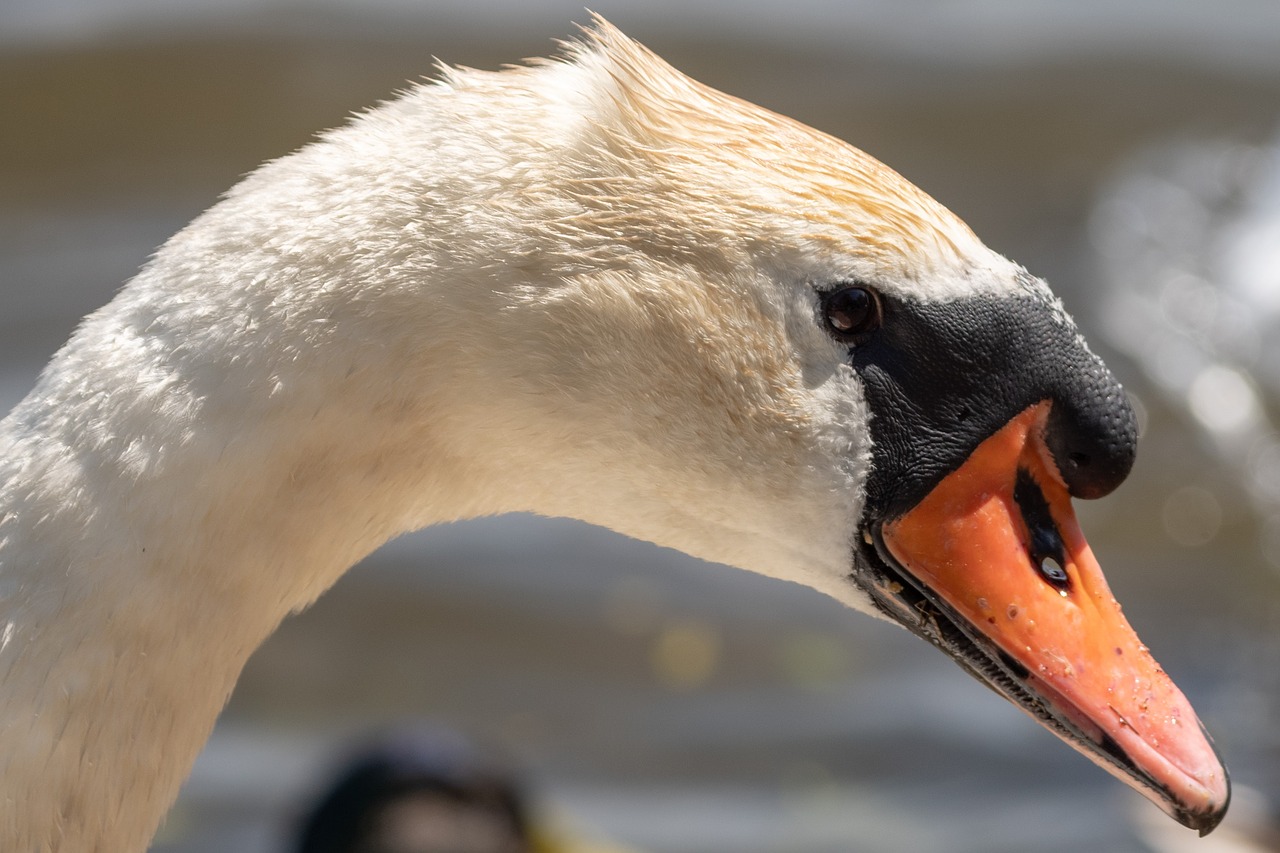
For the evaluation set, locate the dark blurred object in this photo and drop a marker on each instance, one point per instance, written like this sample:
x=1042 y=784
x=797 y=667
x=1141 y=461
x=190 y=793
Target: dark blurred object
x=419 y=791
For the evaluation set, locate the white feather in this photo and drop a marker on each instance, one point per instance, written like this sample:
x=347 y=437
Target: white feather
x=581 y=288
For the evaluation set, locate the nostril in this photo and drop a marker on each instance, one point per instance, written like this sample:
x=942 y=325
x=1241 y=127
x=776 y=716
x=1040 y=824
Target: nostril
x=1078 y=459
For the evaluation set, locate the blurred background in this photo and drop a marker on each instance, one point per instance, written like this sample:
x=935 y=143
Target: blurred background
x=1124 y=149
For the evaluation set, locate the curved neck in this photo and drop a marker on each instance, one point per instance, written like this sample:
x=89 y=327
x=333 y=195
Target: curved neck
x=159 y=516
x=135 y=583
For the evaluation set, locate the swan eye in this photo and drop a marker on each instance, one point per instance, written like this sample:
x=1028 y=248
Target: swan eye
x=850 y=313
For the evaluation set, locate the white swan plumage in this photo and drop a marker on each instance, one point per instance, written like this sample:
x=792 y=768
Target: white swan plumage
x=587 y=287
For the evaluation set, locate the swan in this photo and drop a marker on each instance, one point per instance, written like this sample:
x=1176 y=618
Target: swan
x=586 y=287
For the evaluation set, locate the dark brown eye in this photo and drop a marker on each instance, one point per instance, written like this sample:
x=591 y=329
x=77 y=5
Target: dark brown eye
x=851 y=312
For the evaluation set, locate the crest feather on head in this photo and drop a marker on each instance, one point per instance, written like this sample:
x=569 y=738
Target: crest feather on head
x=770 y=163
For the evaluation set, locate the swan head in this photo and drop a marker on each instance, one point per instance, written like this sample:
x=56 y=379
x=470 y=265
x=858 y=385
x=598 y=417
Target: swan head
x=936 y=407
x=670 y=312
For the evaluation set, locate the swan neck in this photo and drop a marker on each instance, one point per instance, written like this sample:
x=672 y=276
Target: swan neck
x=140 y=566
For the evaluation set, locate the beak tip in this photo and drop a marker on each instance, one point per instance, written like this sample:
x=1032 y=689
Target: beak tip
x=1204 y=822
x=1198 y=799
x=1220 y=800
x=1208 y=820
x=1206 y=810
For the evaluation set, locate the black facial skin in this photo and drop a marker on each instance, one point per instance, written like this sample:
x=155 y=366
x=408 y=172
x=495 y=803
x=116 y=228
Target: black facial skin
x=940 y=378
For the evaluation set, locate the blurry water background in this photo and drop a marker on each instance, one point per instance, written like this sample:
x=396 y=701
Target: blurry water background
x=1126 y=150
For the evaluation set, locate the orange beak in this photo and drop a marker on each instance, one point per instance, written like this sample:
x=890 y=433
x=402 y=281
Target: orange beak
x=994 y=551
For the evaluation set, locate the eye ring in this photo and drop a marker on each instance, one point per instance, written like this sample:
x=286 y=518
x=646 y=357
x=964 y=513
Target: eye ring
x=851 y=312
